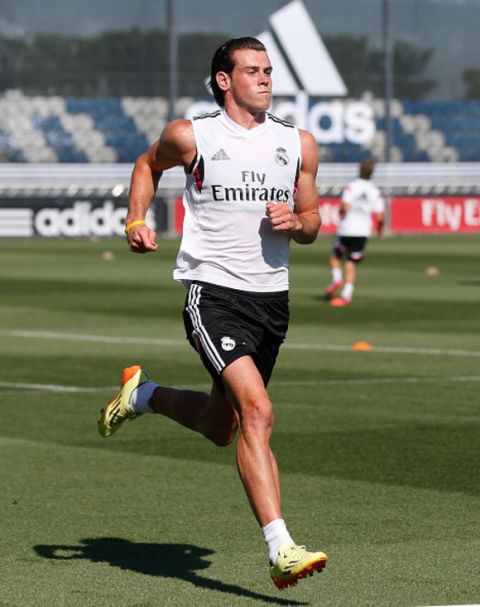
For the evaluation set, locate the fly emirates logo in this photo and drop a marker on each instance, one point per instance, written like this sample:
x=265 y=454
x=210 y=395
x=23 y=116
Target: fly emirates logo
x=453 y=214
x=253 y=189
x=302 y=69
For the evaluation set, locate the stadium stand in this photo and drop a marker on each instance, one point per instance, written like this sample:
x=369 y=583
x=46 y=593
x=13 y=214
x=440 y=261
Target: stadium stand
x=86 y=130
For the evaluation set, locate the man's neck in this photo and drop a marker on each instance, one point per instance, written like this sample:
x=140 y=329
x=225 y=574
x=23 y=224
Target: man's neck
x=246 y=118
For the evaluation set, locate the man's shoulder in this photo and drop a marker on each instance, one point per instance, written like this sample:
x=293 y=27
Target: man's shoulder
x=208 y=116
x=373 y=187
x=276 y=120
x=363 y=184
x=177 y=137
x=178 y=126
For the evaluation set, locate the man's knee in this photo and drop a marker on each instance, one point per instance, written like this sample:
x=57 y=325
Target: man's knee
x=356 y=257
x=257 y=415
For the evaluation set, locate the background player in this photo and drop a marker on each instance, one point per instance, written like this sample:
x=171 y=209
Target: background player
x=360 y=199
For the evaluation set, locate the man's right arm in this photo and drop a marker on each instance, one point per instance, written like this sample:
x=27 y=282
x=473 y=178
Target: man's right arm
x=176 y=147
x=379 y=212
x=345 y=201
x=379 y=222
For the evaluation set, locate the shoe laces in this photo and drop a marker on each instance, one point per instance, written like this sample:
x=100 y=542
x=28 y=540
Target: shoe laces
x=294 y=551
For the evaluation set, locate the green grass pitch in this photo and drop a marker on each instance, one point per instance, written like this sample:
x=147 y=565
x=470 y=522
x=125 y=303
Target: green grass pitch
x=379 y=451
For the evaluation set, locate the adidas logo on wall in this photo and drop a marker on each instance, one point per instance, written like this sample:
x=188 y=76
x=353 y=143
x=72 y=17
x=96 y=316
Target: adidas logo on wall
x=303 y=68
x=311 y=66
x=221 y=155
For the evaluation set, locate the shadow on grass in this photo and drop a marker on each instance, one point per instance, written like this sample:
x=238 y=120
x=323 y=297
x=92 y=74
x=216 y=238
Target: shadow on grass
x=178 y=561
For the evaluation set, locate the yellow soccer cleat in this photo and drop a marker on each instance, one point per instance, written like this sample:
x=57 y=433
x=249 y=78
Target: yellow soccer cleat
x=294 y=563
x=119 y=409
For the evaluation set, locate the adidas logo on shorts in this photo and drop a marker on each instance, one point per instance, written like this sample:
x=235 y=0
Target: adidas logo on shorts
x=221 y=155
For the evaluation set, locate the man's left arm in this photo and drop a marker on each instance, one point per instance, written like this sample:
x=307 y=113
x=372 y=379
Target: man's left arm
x=303 y=222
x=379 y=222
x=379 y=213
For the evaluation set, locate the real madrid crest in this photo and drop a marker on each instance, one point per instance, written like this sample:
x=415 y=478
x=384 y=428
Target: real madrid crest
x=281 y=157
x=228 y=343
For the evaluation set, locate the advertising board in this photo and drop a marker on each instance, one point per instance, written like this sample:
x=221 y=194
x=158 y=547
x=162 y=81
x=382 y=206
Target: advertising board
x=408 y=215
x=72 y=217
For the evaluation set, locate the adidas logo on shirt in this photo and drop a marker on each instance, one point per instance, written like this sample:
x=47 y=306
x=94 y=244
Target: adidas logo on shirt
x=221 y=155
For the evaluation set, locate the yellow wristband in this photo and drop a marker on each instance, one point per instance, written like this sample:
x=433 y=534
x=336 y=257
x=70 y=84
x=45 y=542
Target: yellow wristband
x=137 y=222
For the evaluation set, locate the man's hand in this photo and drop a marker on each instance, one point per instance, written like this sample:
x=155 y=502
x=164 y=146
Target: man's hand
x=282 y=218
x=343 y=210
x=142 y=239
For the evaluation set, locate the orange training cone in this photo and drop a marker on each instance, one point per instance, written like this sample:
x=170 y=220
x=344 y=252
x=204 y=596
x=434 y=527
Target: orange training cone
x=364 y=346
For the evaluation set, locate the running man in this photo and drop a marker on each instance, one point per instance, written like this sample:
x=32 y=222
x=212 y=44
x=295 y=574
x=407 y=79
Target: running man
x=360 y=200
x=250 y=188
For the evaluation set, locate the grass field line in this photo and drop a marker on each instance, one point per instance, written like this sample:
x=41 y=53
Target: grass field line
x=104 y=339
x=379 y=380
x=52 y=387
x=177 y=342
x=285 y=383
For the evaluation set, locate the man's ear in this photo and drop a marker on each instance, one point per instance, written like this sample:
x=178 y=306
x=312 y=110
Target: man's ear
x=223 y=80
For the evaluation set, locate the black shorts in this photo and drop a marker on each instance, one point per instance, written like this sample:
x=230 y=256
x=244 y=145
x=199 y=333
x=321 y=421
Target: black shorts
x=350 y=247
x=224 y=324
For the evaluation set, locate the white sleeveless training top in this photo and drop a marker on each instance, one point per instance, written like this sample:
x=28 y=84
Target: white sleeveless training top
x=364 y=198
x=227 y=238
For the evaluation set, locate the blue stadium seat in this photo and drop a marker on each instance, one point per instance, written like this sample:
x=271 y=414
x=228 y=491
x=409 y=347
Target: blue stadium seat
x=70 y=154
x=458 y=121
x=124 y=134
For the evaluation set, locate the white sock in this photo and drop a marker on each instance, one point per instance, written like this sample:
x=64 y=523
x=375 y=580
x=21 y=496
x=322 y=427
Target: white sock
x=276 y=534
x=337 y=275
x=140 y=397
x=347 y=292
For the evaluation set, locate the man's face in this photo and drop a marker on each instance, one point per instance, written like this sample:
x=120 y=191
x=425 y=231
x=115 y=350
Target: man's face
x=251 y=80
